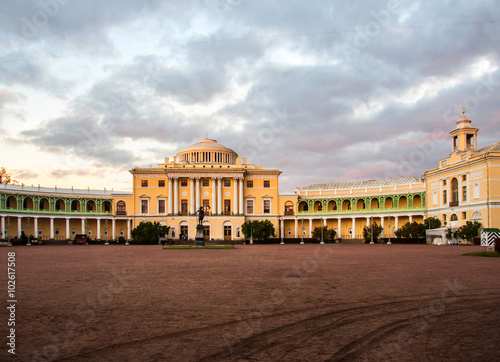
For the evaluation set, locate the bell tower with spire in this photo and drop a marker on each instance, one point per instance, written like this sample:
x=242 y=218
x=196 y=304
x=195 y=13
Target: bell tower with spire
x=464 y=136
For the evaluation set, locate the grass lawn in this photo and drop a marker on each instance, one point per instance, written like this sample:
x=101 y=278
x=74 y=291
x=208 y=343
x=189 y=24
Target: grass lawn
x=484 y=253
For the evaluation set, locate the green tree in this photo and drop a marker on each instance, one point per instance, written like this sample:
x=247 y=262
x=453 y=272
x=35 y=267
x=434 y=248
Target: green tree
x=469 y=231
x=367 y=232
x=432 y=223
x=148 y=233
x=6 y=177
x=258 y=229
x=411 y=230
x=328 y=234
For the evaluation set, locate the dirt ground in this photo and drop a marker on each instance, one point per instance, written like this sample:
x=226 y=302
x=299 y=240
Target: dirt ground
x=253 y=303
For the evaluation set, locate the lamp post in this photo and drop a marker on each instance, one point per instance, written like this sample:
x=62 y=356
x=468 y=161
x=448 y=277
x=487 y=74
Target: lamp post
x=371 y=230
x=302 y=234
x=389 y=242
x=322 y=242
x=251 y=235
x=106 y=231
x=28 y=229
x=282 y=227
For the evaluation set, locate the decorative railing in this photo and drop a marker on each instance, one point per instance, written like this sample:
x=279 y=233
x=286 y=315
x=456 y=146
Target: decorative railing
x=363 y=211
x=59 y=212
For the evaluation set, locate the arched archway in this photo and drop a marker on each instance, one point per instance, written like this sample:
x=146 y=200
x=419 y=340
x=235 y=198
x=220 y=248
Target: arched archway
x=91 y=207
x=388 y=204
x=75 y=205
x=346 y=205
x=28 y=203
x=403 y=202
x=106 y=206
x=318 y=206
x=288 y=208
x=44 y=204
x=303 y=207
x=417 y=201
x=332 y=205
x=374 y=204
x=11 y=203
x=360 y=205
x=60 y=205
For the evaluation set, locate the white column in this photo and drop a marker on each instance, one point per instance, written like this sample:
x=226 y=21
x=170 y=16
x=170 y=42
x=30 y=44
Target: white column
x=411 y=219
x=219 y=196
x=310 y=228
x=98 y=236
x=83 y=227
x=19 y=226
x=214 y=197
x=339 y=227
x=353 y=228
x=324 y=222
x=282 y=227
x=170 y=210
x=241 y=197
x=128 y=230
x=235 y=196
x=191 y=196
x=396 y=222
x=67 y=228
x=296 y=228
x=176 y=196
x=3 y=227
x=382 y=224
x=198 y=194
x=52 y=228
x=113 y=225
x=35 y=226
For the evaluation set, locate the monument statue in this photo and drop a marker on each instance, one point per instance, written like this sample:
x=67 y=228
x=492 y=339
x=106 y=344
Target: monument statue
x=201 y=214
x=200 y=238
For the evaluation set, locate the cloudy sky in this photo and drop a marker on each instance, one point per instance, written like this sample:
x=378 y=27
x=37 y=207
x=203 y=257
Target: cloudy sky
x=326 y=91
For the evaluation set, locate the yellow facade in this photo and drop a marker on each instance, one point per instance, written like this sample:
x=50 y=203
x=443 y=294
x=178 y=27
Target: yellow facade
x=465 y=186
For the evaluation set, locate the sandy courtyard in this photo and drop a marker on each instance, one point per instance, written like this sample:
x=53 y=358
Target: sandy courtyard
x=253 y=303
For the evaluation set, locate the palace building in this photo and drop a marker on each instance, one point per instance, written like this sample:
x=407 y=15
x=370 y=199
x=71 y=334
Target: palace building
x=465 y=186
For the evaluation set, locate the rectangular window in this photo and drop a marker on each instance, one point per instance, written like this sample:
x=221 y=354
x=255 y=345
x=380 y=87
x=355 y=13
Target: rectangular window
x=267 y=183
x=444 y=217
x=161 y=183
x=184 y=207
x=206 y=182
x=206 y=205
x=464 y=215
x=184 y=182
x=249 y=206
x=161 y=206
x=464 y=177
x=250 y=184
x=445 y=198
x=267 y=206
x=464 y=193
x=183 y=235
x=227 y=207
x=144 y=183
x=444 y=182
x=227 y=182
x=144 y=206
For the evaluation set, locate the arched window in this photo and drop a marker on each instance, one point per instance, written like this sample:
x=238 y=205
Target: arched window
x=318 y=206
x=454 y=217
x=454 y=191
x=106 y=206
x=288 y=208
x=303 y=206
x=75 y=205
x=91 y=205
x=121 y=208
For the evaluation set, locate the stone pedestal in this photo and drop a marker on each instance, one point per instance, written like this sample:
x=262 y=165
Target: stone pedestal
x=199 y=238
